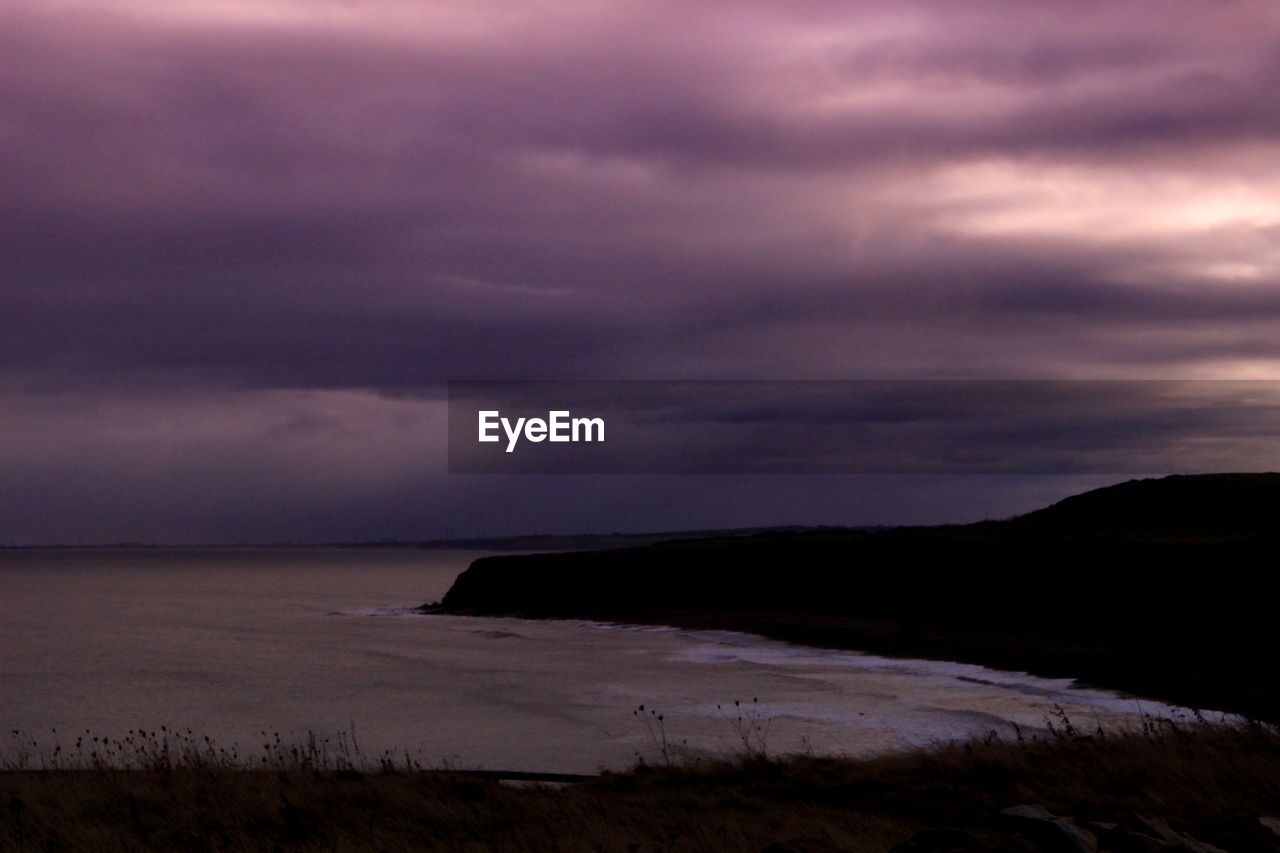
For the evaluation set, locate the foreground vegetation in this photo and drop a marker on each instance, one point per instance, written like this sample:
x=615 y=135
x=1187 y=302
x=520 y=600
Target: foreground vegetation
x=1164 y=786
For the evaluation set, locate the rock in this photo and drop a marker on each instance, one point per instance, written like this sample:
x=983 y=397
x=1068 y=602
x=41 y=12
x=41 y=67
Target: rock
x=1048 y=831
x=803 y=845
x=1271 y=823
x=936 y=841
x=960 y=841
x=1235 y=832
x=1031 y=811
x=1116 y=839
x=1160 y=827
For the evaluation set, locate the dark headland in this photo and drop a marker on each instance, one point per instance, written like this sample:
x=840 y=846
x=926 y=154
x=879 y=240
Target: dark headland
x=1157 y=587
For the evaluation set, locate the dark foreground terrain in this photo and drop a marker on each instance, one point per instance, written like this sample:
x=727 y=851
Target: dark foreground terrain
x=1167 y=787
x=1156 y=587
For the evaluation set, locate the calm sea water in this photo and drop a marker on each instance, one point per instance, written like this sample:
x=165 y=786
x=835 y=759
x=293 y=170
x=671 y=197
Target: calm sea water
x=234 y=642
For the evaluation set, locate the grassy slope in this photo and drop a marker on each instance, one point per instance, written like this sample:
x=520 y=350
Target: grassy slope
x=1213 y=783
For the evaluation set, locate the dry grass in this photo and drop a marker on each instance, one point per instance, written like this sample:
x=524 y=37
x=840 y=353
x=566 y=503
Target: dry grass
x=1210 y=780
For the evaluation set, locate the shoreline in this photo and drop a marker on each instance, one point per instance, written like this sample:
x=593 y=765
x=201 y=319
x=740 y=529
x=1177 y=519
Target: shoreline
x=1148 y=587
x=1005 y=654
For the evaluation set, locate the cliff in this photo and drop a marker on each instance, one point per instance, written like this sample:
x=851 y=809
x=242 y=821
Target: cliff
x=1151 y=586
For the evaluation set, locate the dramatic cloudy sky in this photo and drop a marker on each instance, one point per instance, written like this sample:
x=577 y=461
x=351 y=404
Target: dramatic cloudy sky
x=243 y=243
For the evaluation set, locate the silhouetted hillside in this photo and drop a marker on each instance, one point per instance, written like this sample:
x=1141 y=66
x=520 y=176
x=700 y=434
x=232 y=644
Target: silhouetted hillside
x=1153 y=586
x=1208 y=506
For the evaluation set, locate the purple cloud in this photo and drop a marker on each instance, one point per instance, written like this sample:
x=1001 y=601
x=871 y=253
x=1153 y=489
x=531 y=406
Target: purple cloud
x=223 y=200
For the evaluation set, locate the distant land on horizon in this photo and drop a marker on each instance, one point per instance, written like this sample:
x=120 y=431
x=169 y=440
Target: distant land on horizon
x=1180 y=501
x=520 y=542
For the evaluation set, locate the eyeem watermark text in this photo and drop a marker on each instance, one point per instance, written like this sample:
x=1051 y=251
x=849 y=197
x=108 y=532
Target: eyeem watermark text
x=559 y=426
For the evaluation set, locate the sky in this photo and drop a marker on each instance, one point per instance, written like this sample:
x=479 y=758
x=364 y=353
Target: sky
x=245 y=243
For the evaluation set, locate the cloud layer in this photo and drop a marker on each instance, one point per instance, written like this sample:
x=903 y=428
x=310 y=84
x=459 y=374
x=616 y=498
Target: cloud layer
x=340 y=201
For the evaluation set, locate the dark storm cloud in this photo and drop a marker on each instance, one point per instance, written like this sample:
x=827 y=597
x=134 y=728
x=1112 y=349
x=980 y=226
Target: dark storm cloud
x=218 y=200
x=325 y=206
x=870 y=427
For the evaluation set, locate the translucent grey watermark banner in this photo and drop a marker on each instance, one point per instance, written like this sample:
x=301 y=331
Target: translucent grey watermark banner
x=863 y=426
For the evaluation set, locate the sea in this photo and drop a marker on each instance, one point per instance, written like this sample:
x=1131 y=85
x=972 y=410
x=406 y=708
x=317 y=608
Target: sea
x=241 y=645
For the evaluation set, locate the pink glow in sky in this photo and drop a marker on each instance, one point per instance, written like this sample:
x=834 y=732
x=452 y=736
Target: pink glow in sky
x=211 y=210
